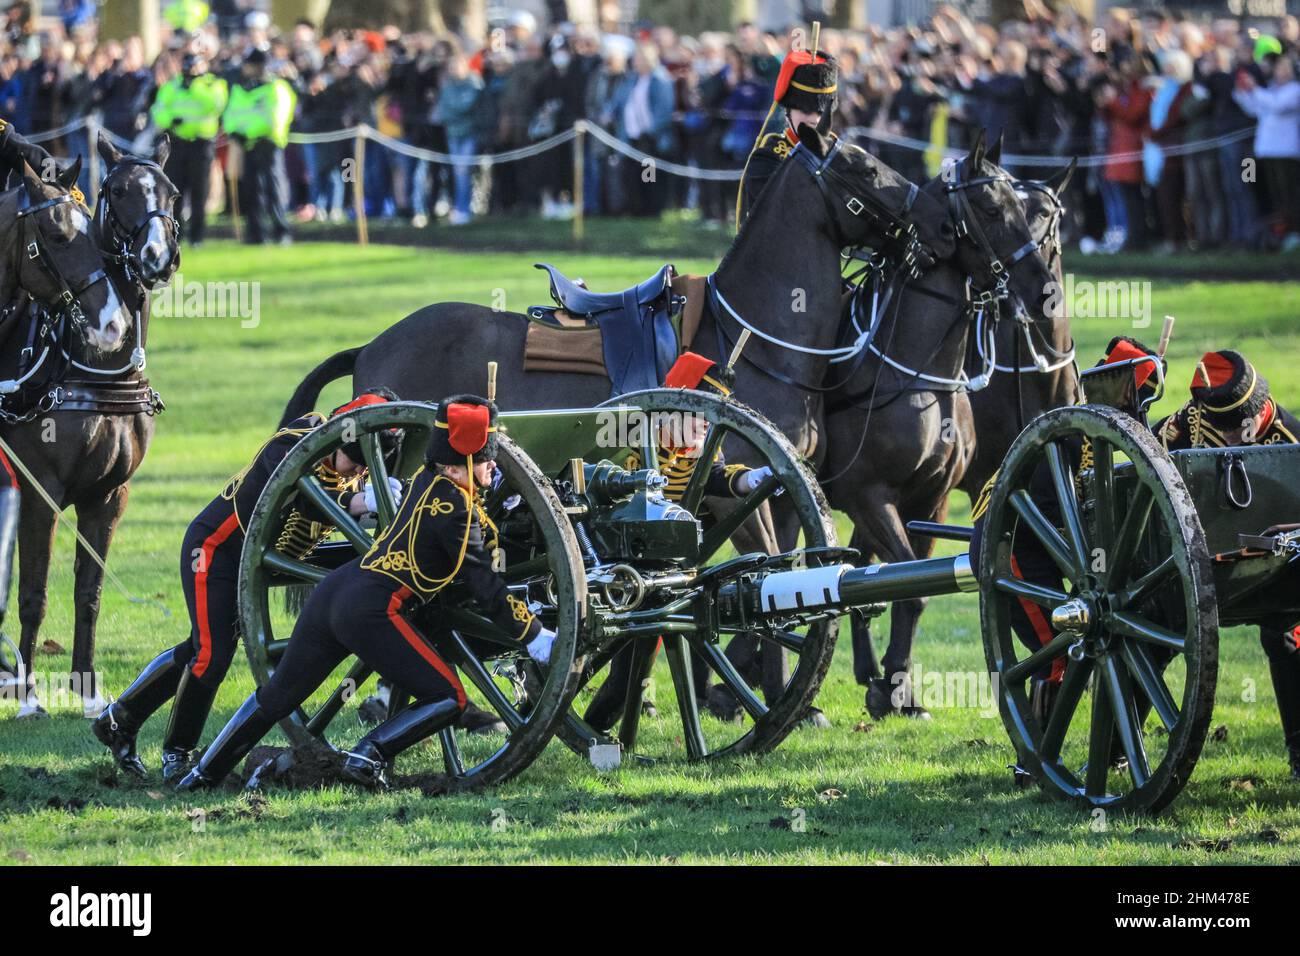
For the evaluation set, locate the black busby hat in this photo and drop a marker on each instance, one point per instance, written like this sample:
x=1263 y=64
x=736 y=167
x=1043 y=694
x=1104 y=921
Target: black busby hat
x=807 y=82
x=1228 y=389
x=465 y=427
x=390 y=440
x=1123 y=348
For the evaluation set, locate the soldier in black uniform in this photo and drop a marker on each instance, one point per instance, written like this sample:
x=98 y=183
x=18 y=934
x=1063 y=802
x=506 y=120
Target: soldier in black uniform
x=14 y=150
x=440 y=535
x=805 y=89
x=678 y=457
x=192 y=671
x=1231 y=405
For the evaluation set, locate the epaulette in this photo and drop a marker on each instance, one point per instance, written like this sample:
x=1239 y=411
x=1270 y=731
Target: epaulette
x=776 y=143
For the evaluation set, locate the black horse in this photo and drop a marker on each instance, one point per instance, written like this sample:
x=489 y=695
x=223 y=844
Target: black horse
x=901 y=431
x=782 y=274
x=103 y=408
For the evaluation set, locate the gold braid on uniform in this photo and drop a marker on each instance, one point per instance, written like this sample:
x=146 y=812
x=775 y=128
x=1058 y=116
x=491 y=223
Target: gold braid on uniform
x=400 y=557
x=300 y=535
x=985 y=495
x=678 y=468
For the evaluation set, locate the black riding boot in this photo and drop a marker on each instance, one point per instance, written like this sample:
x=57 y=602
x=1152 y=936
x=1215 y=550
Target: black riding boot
x=372 y=756
x=1285 y=672
x=121 y=720
x=10 y=501
x=249 y=725
x=190 y=712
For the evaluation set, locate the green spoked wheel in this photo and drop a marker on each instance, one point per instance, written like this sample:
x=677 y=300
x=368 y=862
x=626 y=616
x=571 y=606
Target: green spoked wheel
x=1112 y=709
x=541 y=562
x=731 y=692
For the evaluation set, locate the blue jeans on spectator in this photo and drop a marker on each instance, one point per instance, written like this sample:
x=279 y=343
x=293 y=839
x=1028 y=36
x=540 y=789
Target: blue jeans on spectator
x=1112 y=200
x=1242 y=216
x=325 y=177
x=463 y=175
x=379 y=180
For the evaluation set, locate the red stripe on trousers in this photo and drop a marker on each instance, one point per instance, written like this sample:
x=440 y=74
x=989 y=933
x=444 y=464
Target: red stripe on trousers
x=210 y=544
x=9 y=469
x=421 y=646
x=1038 y=622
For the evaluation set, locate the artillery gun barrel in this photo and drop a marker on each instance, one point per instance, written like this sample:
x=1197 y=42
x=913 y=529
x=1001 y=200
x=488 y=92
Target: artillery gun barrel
x=845 y=586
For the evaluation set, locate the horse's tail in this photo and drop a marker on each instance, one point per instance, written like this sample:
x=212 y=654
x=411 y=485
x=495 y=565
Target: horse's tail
x=308 y=391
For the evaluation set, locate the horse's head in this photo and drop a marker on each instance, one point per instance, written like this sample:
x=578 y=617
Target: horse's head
x=997 y=248
x=1044 y=211
x=134 y=215
x=871 y=205
x=61 y=266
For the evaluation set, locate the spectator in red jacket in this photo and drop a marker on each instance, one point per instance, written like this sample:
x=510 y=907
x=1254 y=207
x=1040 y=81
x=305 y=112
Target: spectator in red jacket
x=1127 y=109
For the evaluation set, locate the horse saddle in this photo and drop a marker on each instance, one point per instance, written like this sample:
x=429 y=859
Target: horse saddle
x=638 y=337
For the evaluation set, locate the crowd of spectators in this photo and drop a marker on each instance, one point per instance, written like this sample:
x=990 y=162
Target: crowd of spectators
x=1135 y=87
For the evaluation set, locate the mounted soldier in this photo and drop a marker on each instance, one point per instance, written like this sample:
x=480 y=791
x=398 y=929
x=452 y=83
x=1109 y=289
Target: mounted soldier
x=190 y=673
x=805 y=90
x=1230 y=405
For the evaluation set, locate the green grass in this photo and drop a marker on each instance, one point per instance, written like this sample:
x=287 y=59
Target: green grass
x=936 y=792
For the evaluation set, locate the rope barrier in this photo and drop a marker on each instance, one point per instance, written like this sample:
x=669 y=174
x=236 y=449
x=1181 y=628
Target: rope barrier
x=611 y=141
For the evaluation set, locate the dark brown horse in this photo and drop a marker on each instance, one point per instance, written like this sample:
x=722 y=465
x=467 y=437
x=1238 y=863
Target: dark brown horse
x=1035 y=365
x=100 y=410
x=901 y=432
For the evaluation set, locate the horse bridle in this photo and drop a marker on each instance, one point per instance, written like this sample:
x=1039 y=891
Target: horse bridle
x=901 y=231
x=67 y=297
x=119 y=243
x=968 y=225
x=1053 y=234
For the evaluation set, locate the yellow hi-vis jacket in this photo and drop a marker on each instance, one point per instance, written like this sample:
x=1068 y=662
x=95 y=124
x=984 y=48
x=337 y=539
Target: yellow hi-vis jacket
x=264 y=112
x=186 y=15
x=191 y=111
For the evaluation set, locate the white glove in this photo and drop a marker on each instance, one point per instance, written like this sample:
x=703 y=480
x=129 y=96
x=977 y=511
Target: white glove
x=539 y=648
x=753 y=478
x=368 y=493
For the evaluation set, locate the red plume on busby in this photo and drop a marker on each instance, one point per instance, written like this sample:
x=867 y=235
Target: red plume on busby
x=1122 y=349
x=1228 y=389
x=695 y=371
x=464 y=428
x=807 y=82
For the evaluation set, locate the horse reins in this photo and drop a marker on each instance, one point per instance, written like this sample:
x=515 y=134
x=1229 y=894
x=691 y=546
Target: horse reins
x=67 y=298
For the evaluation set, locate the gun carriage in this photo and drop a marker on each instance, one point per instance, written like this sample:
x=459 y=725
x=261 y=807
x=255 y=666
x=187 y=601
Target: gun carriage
x=1155 y=551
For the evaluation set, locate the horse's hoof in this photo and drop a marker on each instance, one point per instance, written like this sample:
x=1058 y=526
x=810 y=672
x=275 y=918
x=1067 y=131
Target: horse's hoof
x=476 y=720
x=648 y=709
x=722 y=704
x=915 y=712
x=373 y=710
x=816 y=719
x=31 y=710
x=879 y=699
x=92 y=707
